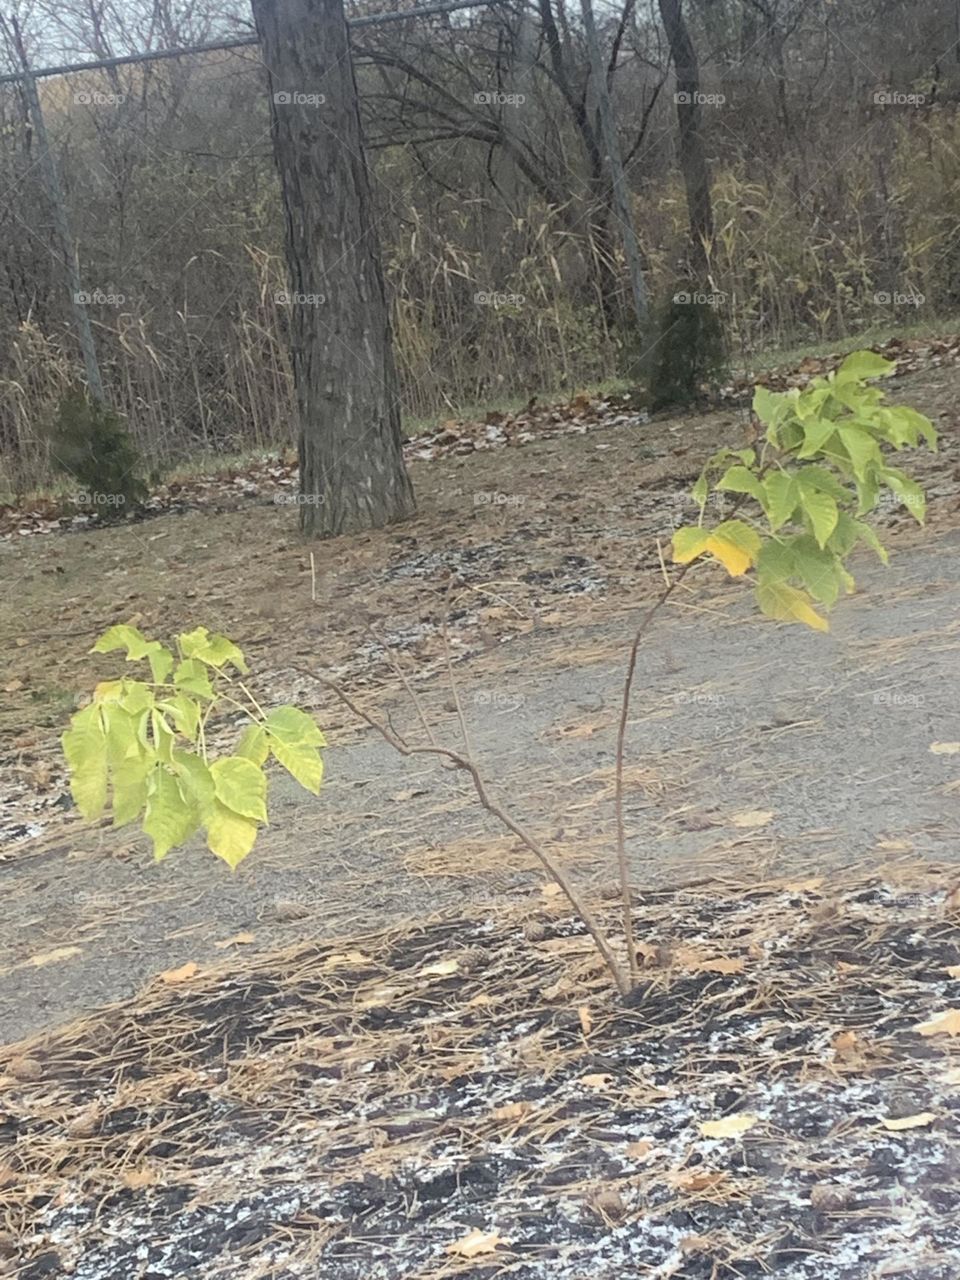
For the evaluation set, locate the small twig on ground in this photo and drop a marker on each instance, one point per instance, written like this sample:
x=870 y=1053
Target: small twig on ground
x=552 y=868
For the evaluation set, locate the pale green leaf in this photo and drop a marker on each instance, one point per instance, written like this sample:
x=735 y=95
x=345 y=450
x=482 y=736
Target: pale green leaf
x=819 y=507
x=291 y=725
x=196 y=782
x=241 y=785
x=85 y=749
x=184 y=713
x=214 y=649
x=129 y=782
x=169 y=819
x=161 y=662
x=301 y=761
x=818 y=570
x=192 y=677
x=865 y=364
x=741 y=479
x=784 y=603
x=907 y=490
x=861 y=447
x=781 y=497
x=230 y=835
x=253 y=744
x=816 y=434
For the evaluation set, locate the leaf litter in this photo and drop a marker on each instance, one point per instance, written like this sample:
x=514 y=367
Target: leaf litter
x=376 y=1112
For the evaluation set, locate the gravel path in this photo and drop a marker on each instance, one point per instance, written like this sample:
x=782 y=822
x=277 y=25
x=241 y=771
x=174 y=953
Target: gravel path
x=752 y=746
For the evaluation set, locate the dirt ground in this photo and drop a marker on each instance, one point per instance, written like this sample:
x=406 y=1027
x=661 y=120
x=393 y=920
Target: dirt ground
x=383 y=1050
x=752 y=744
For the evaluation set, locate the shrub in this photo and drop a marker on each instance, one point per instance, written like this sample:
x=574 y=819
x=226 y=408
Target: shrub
x=687 y=352
x=90 y=442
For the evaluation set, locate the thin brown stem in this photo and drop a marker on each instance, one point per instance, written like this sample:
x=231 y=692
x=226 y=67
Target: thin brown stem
x=454 y=687
x=552 y=868
x=623 y=869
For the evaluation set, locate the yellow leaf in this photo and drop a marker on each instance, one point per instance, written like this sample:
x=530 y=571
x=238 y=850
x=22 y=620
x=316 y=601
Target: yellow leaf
x=944 y=1024
x=953 y=970
x=751 y=818
x=689 y=543
x=734 y=559
x=441 y=969
x=477 y=1242
x=729 y=1126
x=908 y=1122
x=238 y=940
x=230 y=835
x=586 y=1019
x=945 y=748
x=136 y=1179
x=186 y=971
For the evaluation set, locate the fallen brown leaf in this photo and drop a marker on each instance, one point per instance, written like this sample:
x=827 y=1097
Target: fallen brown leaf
x=441 y=969
x=908 y=1122
x=751 y=818
x=944 y=1024
x=597 y=1080
x=511 y=1111
x=25 y=1069
x=476 y=1243
x=341 y=958
x=729 y=1126
x=238 y=940
x=186 y=971
x=804 y=886
x=639 y=1150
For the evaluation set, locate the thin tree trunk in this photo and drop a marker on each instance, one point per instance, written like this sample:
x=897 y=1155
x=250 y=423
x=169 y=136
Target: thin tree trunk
x=352 y=474
x=693 y=160
x=614 y=167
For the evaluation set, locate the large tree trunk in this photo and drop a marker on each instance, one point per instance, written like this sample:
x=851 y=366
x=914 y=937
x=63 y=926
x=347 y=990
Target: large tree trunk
x=351 y=464
x=693 y=160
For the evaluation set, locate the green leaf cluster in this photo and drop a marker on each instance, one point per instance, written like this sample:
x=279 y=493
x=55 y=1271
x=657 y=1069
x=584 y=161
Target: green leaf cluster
x=140 y=747
x=823 y=463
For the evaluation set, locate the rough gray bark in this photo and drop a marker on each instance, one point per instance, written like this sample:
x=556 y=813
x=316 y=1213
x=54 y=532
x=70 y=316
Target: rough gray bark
x=693 y=160
x=352 y=474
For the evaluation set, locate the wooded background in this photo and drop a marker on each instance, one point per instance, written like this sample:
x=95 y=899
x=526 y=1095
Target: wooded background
x=831 y=130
